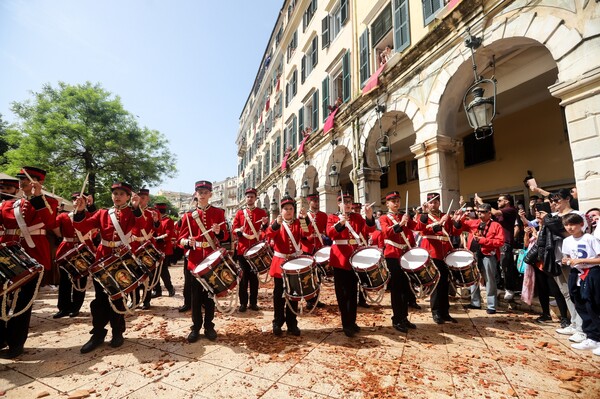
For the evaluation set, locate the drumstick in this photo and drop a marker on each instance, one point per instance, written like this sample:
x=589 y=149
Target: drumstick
x=433 y=199
x=209 y=230
x=342 y=203
x=85 y=181
x=406 y=202
x=371 y=204
x=10 y=195
x=450 y=206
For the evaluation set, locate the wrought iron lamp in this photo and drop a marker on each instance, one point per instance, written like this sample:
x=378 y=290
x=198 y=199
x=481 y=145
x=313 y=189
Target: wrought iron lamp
x=334 y=176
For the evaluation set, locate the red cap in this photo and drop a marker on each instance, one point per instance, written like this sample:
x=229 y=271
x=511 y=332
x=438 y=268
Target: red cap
x=250 y=190
x=392 y=195
x=122 y=186
x=431 y=196
x=312 y=197
x=200 y=184
x=76 y=195
x=144 y=191
x=9 y=182
x=38 y=173
x=161 y=207
x=287 y=200
x=346 y=195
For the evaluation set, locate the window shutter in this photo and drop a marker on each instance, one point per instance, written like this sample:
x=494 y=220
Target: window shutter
x=294 y=138
x=430 y=7
x=401 y=25
x=300 y=121
x=325 y=32
x=315 y=51
x=315 y=111
x=303 y=69
x=364 y=56
x=287 y=94
x=325 y=101
x=344 y=11
x=285 y=140
x=346 y=77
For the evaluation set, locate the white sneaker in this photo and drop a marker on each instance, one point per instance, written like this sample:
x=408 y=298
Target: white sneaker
x=553 y=303
x=568 y=330
x=586 y=344
x=508 y=295
x=577 y=337
x=596 y=351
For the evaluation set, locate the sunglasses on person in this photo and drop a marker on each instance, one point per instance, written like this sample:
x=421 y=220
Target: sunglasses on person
x=482 y=211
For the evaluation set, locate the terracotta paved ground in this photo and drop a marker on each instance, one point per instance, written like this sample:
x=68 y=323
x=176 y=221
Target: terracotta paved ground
x=500 y=356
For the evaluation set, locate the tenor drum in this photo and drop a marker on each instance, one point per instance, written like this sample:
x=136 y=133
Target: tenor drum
x=119 y=274
x=149 y=256
x=259 y=256
x=369 y=265
x=300 y=279
x=16 y=268
x=217 y=273
x=322 y=260
x=419 y=268
x=77 y=261
x=462 y=266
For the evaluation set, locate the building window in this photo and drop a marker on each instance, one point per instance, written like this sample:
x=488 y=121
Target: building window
x=267 y=162
x=278 y=109
x=478 y=151
x=310 y=59
x=290 y=134
x=332 y=24
x=413 y=170
x=308 y=115
x=363 y=45
x=278 y=36
x=309 y=14
x=430 y=8
x=381 y=25
x=291 y=49
x=401 y=175
x=401 y=25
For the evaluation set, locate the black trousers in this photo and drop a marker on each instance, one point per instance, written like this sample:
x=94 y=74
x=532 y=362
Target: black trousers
x=69 y=299
x=546 y=287
x=282 y=313
x=439 y=297
x=512 y=278
x=165 y=276
x=249 y=278
x=103 y=314
x=346 y=287
x=200 y=298
x=187 y=284
x=399 y=290
x=14 y=332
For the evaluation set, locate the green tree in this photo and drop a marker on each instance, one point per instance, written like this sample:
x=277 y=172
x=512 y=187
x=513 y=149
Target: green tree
x=171 y=210
x=5 y=145
x=73 y=130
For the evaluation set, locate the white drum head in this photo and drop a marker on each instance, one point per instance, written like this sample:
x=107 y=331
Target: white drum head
x=323 y=254
x=297 y=264
x=365 y=258
x=255 y=248
x=414 y=258
x=459 y=259
x=209 y=260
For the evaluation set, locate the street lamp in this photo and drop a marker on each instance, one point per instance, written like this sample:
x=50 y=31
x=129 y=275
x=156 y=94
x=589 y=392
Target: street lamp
x=383 y=153
x=274 y=207
x=334 y=176
x=305 y=189
x=480 y=110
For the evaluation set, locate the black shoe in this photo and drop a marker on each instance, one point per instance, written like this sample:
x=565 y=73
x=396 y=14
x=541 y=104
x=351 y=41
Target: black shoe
x=363 y=305
x=146 y=306
x=94 y=342
x=471 y=306
x=543 y=318
x=355 y=328
x=437 y=319
x=294 y=331
x=254 y=307
x=564 y=322
x=59 y=314
x=349 y=331
x=11 y=353
x=193 y=336
x=415 y=305
x=449 y=318
x=400 y=327
x=243 y=308
x=116 y=341
x=156 y=294
x=184 y=308
x=210 y=333
x=407 y=324
x=277 y=330
x=491 y=311
x=172 y=292
x=74 y=313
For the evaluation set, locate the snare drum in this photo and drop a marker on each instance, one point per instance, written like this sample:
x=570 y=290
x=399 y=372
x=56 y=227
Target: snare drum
x=16 y=267
x=322 y=260
x=300 y=278
x=369 y=265
x=149 y=256
x=218 y=273
x=419 y=267
x=77 y=261
x=119 y=274
x=462 y=266
x=259 y=256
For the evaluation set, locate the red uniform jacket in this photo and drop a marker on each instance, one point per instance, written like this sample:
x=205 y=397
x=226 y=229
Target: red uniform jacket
x=64 y=223
x=127 y=217
x=433 y=238
x=376 y=239
x=490 y=239
x=209 y=216
x=394 y=240
x=282 y=243
x=36 y=212
x=140 y=235
x=164 y=235
x=241 y=222
x=312 y=244
x=341 y=253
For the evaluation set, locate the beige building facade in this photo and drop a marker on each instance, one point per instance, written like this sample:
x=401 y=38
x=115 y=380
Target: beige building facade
x=543 y=55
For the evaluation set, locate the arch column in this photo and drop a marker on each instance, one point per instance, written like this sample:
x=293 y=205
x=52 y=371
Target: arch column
x=327 y=199
x=581 y=97
x=368 y=186
x=438 y=168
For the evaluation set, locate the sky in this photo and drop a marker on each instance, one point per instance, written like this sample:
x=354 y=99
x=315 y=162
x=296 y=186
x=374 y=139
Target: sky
x=183 y=67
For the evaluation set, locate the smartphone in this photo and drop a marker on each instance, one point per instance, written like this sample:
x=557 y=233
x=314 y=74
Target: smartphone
x=543 y=207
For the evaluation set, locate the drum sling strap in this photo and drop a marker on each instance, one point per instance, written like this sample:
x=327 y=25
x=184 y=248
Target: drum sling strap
x=313 y=221
x=23 y=225
x=77 y=232
x=289 y=233
x=358 y=238
x=249 y=221
x=205 y=232
x=113 y=218
x=393 y=219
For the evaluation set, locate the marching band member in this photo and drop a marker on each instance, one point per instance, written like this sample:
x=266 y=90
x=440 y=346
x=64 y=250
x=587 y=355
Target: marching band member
x=344 y=229
x=286 y=232
x=26 y=220
x=435 y=227
x=318 y=240
x=398 y=239
x=141 y=234
x=115 y=225
x=200 y=233
x=249 y=225
x=70 y=300
x=164 y=235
